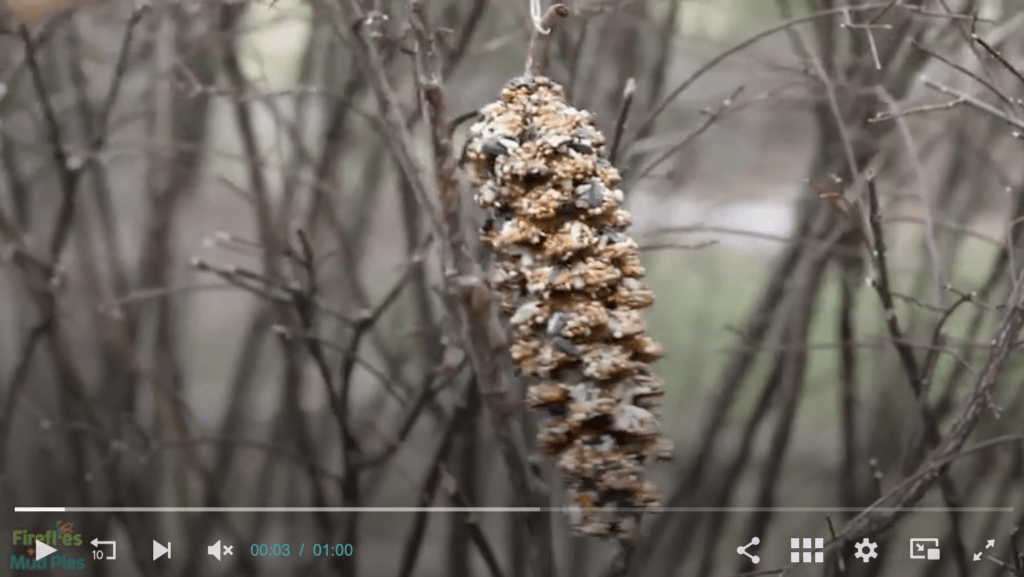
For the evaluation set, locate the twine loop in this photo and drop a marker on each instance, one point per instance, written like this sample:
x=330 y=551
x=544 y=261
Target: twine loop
x=537 y=15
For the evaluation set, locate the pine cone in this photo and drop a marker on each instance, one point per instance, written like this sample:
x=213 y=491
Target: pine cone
x=567 y=275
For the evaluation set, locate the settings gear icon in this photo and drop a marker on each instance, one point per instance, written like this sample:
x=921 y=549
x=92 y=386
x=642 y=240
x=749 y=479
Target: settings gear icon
x=870 y=554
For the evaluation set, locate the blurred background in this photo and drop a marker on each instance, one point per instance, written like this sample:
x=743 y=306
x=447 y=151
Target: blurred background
x=218 y=288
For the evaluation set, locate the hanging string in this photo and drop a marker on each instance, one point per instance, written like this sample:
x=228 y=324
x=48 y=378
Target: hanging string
x=542 y=22
x=538 y=17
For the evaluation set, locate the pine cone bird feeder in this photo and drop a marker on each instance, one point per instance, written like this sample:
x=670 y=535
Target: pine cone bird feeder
x=568 y=277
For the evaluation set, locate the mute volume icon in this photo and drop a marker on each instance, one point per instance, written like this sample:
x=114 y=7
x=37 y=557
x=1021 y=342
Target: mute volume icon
x=216 y=549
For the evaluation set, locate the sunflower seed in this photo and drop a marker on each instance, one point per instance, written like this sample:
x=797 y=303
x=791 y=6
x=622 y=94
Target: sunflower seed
x=584 y=133
x=493 y=146
x=556 y=322
x=566 y=346
x=595 y=193
x=613 y=236
x=581 y=147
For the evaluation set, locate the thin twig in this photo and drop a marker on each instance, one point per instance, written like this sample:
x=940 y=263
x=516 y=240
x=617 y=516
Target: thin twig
x=67 y=172
x=712 y=116
x=1012 y=120
x=430 y=485
x=882 y=287
x=963 y=70
x=620 y=122
x=939 y=277
x=894 y=114
x=951 y=447
x=998 y=56
x=647 y=123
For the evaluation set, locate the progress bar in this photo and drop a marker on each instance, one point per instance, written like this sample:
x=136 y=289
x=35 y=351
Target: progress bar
x=502 y=509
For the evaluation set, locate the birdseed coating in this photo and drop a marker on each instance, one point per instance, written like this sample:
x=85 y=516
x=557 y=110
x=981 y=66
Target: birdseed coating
x=567 y=276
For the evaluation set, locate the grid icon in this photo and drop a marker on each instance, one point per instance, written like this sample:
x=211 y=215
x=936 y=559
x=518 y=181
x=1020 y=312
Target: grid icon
x=806 y=550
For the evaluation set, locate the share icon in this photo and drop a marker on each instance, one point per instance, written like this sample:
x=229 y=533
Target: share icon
x=743 y=551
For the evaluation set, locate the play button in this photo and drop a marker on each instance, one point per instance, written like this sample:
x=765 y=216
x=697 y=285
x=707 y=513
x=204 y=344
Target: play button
x=159 y=550
x=43 y=550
